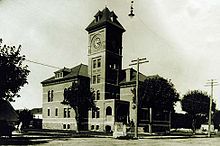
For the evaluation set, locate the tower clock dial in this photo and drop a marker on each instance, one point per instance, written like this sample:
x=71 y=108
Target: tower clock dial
x=96 y=42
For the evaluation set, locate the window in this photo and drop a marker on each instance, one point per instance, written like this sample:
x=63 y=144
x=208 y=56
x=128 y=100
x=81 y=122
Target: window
x=98 y=78
x=66 y=112
x=112 y=19
x=65 y=93
x=51 y=96
x=115 y=66
x=56 y=111
x=93 y=114
x=75 y=82
x=109 y=111
x=97 y=127
x=99 y=62
x=64 y=126
x=48 y=96
x=97 y=114
x=68 y=126
x=98 y=95
x=94 y=79
x=94 y=63
x=92 y=127
x=48 y=112
x=59 y=75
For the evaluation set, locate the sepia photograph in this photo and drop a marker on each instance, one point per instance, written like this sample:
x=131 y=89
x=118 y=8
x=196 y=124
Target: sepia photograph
x=110 y=72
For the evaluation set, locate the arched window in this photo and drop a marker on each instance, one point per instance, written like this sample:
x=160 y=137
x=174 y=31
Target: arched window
x=108 y=110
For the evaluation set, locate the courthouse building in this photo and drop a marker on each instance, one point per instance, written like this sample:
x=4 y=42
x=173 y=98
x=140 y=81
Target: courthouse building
x=104 y=74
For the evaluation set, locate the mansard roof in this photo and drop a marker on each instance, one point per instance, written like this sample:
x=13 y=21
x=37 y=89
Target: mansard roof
x=104 y=18
x=80 y=70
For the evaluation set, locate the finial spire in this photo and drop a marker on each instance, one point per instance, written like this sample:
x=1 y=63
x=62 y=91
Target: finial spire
x=106 y=3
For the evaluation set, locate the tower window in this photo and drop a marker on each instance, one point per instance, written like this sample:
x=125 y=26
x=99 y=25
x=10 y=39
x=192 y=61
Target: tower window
x=98 y=78
x=94 y=63
x=99 y=62
x=94 y=79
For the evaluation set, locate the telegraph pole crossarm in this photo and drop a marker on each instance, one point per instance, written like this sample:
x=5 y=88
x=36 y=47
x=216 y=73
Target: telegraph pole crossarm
x=137 y=62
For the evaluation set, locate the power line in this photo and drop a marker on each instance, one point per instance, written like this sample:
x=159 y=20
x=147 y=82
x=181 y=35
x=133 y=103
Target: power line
x=43 y=64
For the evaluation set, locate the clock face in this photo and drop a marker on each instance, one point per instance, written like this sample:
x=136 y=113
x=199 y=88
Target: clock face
x=96 y=41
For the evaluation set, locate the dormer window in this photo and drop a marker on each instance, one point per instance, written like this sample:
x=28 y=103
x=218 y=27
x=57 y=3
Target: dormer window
x=98 y=16
x=112 y=18
x=96 y=19
x=62 y=72
x=59 y=75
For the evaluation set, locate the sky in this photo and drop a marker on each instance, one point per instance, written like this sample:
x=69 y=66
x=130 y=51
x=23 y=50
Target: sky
x=180 y=38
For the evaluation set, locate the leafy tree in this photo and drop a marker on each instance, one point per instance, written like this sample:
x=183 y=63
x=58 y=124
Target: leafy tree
x=25 y=116
x=196 y=104
x=13 y=75
x=216 y=119
x=80 y=98
x=159 y=93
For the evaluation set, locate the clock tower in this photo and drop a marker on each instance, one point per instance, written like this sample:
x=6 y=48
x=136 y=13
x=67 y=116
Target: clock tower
x=104 y=66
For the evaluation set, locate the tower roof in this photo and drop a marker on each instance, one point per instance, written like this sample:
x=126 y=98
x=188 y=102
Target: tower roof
x=103 y=18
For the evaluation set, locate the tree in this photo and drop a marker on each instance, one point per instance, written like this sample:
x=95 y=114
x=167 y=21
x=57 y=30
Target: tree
x=25 y=116
x=13 y=75
x=196 y=104
x=159 y=93
x=80 y=98
x=216 y=119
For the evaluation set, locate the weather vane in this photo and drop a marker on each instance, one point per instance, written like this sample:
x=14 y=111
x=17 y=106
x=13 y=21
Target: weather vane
x=131 y=14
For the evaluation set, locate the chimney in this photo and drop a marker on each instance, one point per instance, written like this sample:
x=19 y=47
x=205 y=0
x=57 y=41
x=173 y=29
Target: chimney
x=128 y=75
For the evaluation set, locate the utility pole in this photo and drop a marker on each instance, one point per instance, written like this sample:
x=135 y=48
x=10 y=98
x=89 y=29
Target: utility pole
x=137 y=62
x=210 y=83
